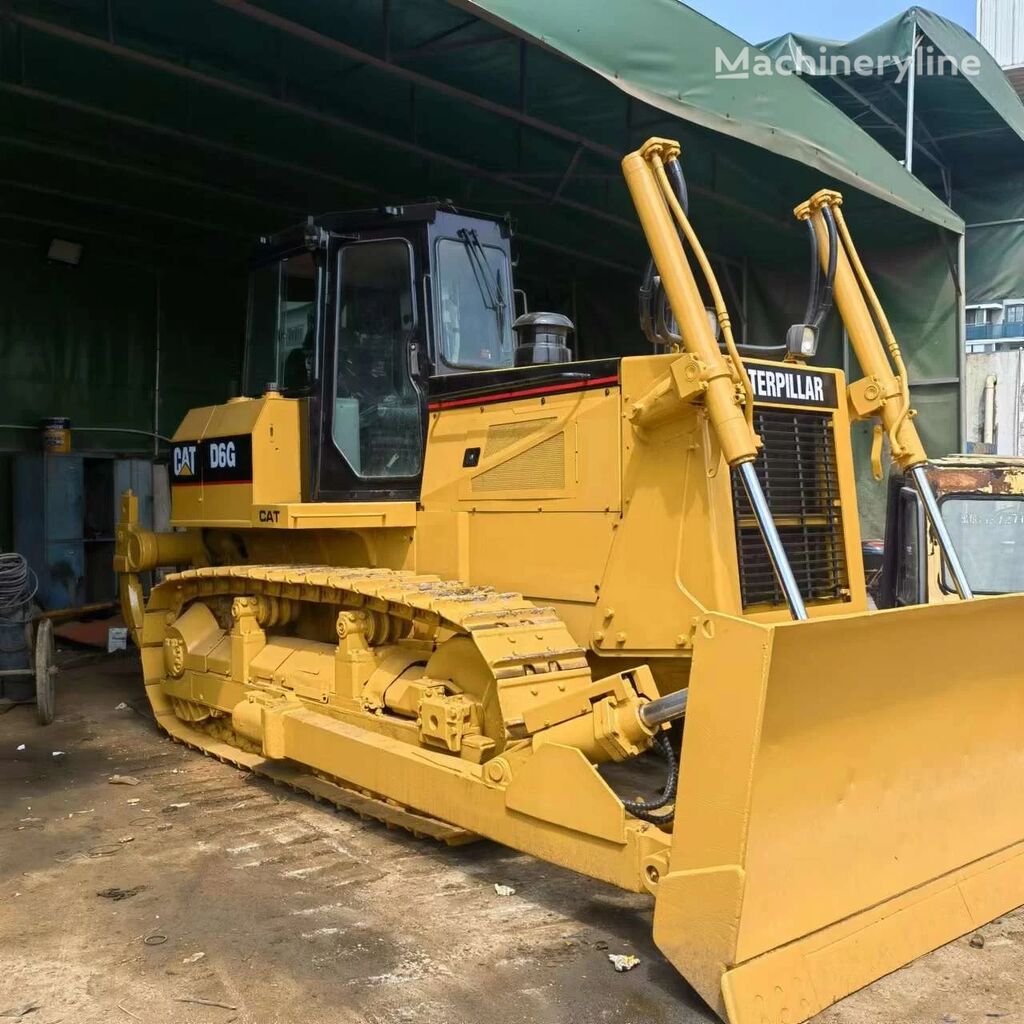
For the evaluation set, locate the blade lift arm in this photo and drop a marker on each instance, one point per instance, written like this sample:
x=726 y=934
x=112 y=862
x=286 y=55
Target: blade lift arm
x=703 y=371
x=883 y=392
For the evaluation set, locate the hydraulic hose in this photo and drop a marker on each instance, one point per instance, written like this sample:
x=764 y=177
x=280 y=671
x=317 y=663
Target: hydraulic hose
x=651 y=291
x=676 y=178
x=819 y=298
x=641 y=808
x=815 y=280
x=825 y=299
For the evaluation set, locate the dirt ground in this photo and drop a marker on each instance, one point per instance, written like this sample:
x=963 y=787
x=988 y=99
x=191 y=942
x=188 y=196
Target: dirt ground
x=288 y=912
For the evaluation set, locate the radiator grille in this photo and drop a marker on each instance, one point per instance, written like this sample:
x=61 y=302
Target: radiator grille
x=797 y=470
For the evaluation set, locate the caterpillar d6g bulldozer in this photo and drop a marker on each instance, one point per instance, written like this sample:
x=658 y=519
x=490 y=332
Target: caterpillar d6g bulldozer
x=448 y=579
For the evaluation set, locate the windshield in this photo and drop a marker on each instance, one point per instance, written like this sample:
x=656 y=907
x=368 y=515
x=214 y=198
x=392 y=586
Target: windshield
x=473 y=309
x=281 y=328
x=988 y=535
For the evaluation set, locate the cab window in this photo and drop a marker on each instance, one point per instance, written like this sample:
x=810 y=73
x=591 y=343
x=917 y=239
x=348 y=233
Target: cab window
x=988 y=534
x=281 y=330
x=473 y=303
x=377 y=416
x=910 y=575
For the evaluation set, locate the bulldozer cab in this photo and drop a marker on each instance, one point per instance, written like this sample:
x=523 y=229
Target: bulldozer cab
x=981 y=499
x=353 y=312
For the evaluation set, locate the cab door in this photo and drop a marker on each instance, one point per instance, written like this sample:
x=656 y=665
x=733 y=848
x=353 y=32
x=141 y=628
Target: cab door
x=371 y=406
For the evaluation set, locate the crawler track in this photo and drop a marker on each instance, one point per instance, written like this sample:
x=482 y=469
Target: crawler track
x=515 y=638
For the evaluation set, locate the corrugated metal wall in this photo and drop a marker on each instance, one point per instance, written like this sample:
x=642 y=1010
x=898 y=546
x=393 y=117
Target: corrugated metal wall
x=1001 y=30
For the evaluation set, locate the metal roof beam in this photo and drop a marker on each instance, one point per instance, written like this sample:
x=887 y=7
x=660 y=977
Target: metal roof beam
x=289 y=107
x=918 y=123
x=258 y=158
x=329 y=43
x=446 y=33
x=87 y=230
x=77 y=156
x=138 y=124
x=878 y=112
x=129 y=208
x=436 y=49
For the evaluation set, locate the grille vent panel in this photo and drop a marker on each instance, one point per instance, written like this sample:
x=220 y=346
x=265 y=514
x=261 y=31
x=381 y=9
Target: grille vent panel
x=798 y=473
x=541 y=467
x=503 y=435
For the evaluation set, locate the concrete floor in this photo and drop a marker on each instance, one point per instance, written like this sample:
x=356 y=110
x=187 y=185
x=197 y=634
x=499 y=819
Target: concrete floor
x=304 y=914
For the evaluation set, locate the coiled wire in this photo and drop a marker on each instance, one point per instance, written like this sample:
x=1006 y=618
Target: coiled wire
x=18 y=585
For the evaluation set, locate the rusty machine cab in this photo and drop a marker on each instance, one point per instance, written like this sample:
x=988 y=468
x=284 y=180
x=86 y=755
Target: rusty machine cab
x=981 y=499
x=354 y=312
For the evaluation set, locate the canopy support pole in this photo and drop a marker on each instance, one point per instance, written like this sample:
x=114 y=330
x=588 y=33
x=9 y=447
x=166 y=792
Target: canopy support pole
x=908 y=156
x=961 y=340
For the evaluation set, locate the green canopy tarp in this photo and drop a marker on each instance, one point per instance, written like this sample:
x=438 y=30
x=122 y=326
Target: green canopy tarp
x=967 y=137
x=666 y=55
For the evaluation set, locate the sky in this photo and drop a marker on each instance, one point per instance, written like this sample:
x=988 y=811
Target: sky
x=758 y=21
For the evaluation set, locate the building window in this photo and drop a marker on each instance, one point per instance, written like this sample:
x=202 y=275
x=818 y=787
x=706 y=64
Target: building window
x=1015 y=313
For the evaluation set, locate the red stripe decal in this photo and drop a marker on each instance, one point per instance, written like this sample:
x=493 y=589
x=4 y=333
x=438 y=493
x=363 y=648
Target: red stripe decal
x=504 y=396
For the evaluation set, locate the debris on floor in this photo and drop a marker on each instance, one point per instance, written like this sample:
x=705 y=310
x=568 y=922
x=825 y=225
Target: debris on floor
x=206 y=1002
x=115 y=893
x=17 y=1012
x=194 y=958
x=123 y=780
x=978 y=941
x=623 y=962
x=504 y=890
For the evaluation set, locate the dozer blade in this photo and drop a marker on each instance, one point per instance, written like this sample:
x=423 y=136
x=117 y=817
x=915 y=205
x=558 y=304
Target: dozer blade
x=850 y=798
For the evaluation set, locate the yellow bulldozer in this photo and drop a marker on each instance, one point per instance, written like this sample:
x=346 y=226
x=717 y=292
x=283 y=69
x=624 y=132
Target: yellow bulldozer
x=435 y=570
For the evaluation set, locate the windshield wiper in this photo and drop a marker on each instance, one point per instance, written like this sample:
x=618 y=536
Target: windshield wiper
x=493 y=299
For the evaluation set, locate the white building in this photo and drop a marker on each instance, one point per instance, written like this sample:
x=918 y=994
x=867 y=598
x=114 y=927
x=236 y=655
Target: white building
x=995 y=325
x=1001 y=32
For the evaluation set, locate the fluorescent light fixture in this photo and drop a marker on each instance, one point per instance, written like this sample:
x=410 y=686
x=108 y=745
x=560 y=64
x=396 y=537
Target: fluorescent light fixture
x=63 y=251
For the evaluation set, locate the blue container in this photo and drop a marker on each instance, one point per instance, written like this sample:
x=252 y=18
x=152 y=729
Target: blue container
x=49 y=513
x=15 y=653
